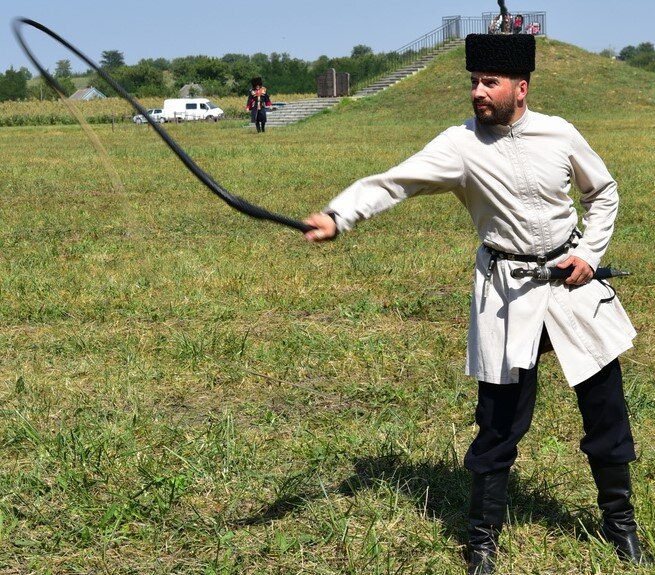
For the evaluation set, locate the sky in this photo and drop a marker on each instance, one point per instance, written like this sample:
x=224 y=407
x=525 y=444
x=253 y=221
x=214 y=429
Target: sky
x=305 y=30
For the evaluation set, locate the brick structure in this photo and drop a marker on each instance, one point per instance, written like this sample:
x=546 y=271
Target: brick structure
x=333 y=84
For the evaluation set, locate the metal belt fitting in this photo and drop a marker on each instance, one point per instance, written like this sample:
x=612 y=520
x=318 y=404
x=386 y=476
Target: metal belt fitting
x=495 y=255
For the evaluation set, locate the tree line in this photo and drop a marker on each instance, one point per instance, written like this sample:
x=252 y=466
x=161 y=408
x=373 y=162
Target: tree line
x=228 y=75
x=640 y=56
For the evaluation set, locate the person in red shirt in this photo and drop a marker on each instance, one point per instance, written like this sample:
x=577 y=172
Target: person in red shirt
x=258 y=101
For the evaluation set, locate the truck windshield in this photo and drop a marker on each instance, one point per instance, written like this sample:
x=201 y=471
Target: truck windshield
x=211 y=105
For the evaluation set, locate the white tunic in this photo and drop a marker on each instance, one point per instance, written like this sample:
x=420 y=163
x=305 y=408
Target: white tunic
x=515 y=182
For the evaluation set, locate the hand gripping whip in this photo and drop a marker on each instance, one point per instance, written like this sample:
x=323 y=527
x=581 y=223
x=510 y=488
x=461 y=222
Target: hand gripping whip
x=235 y=202
x=547 y=274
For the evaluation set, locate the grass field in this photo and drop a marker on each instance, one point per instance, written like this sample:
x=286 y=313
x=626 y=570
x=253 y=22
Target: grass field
x=107 y=111
x=185 y=390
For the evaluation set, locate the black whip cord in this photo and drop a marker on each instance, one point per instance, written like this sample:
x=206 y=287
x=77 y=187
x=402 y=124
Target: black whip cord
x=235 y=202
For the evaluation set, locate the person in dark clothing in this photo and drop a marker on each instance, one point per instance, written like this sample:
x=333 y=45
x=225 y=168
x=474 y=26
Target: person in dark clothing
x=258 y=101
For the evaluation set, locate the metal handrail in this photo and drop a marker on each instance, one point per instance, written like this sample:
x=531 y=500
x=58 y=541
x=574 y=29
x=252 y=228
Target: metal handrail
x=458 y=27
x=455 y=28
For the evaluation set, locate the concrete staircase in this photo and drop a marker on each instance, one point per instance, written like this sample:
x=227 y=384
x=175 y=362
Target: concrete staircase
x=292 y=112
x=409 y=70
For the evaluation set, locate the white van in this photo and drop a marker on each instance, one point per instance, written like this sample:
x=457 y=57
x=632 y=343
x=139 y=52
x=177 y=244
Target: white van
x=182 y=109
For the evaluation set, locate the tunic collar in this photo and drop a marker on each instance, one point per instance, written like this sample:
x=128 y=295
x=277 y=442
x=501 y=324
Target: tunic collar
x=515 y=128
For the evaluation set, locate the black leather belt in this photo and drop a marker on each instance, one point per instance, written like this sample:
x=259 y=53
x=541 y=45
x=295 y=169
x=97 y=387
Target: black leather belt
x=540 y=260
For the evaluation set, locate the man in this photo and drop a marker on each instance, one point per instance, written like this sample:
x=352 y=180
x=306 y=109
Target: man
x=513 y=170
x=258 y=101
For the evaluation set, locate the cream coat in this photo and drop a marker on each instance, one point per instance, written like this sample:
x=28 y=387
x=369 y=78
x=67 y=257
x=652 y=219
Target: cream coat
x=515 y=181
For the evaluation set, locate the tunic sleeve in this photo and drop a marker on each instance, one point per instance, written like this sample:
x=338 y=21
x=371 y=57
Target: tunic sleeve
x=599 y=200
x=435 y=169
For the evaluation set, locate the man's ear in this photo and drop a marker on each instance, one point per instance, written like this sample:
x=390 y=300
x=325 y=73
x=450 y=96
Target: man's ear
x=522 y=88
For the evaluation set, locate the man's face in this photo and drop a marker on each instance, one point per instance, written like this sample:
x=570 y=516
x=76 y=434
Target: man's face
x=495 y=98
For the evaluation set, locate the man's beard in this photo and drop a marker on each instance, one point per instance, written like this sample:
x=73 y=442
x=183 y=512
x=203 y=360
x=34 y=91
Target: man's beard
x=499 y=114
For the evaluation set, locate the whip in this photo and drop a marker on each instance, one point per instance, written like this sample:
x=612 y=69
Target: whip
x=235 y=202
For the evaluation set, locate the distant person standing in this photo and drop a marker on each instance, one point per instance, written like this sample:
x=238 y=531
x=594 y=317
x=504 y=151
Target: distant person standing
x=506 y=26
x=496 y=24
x=258 y=101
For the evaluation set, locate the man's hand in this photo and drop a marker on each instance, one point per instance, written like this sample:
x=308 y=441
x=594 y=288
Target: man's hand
x=326 y=229
x=582 y=272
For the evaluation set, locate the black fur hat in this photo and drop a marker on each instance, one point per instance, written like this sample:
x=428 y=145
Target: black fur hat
x=500 y=53
x=256 y=82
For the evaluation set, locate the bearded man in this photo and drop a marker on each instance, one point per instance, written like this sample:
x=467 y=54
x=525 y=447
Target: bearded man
x=513 y=169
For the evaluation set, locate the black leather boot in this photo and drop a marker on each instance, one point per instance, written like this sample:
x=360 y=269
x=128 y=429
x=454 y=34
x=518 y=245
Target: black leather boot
x=619 y=525
x=486 y=517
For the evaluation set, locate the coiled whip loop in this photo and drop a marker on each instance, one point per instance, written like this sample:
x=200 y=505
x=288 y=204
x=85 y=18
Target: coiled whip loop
x=235 y=202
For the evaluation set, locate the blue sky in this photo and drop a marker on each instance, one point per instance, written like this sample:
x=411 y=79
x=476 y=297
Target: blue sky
x=305 y=30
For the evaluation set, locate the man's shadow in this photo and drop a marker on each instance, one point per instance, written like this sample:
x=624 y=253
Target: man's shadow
x=440 y=492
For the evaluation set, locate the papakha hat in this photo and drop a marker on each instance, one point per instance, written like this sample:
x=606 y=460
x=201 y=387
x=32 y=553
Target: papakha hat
x=256 y=82
x=500 y=53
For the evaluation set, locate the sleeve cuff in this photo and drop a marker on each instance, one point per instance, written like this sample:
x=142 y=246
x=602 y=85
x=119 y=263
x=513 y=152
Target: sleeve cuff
x=335 y=218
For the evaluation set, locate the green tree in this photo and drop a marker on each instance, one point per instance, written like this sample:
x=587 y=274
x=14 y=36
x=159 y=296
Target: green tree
x=321 y=65
x=362 y=67
x=361 y=50
x=160 y=63
x=63 y=69
x=67 y=86
x=213 y=69
x=627 y=53
x=63 y=75
x=41 y=90
x=25 y=72
x=213 y=74
x=231 y=73
x=640 y=56
x=13 y=84
x=112 y=59
x=242 y=72
x=142 y=80
x=234 y=58
x=644 y=56
x=259 y=60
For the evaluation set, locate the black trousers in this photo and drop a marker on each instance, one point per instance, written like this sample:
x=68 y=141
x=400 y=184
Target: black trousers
x=259 y=119
x=504 y=414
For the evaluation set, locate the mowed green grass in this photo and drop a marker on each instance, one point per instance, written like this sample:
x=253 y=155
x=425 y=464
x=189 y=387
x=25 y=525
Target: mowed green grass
x=187 y=390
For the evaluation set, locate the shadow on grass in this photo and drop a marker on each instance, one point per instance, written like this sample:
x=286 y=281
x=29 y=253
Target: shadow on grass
x=440 y=491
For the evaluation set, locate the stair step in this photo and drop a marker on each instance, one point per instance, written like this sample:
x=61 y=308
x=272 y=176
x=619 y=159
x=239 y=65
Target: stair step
x=296 y=111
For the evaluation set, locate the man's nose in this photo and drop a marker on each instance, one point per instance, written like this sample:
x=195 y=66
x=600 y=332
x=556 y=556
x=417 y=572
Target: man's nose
x=477 y=90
